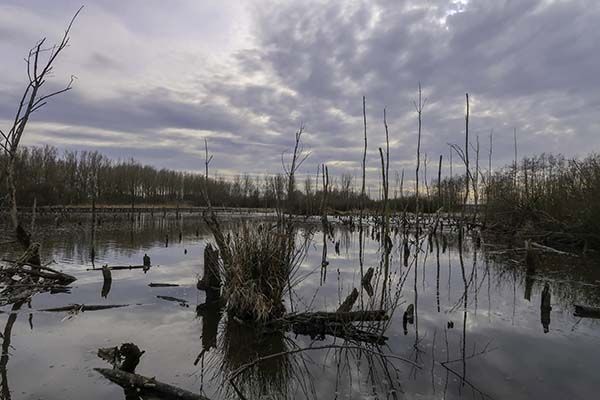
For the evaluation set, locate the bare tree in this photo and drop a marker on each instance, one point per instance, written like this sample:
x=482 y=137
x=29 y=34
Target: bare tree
x=40 y=65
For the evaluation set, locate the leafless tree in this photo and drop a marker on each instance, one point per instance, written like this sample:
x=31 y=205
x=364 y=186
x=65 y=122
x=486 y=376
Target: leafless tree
x=40 y=65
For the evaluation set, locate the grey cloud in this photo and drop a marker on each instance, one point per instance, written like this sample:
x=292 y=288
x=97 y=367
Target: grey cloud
x=527 y=64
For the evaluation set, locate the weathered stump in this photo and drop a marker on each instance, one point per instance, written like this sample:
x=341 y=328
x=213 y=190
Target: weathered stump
x=211 y=280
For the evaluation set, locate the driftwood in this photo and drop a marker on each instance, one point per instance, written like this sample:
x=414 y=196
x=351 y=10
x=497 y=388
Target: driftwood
x=147 y=385
x=84 y=307
x=587 y=311
x=38 y=271
x=23 y=278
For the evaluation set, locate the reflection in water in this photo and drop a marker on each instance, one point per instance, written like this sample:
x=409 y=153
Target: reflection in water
x=460 y=361
x=6 y=348
x=545 y=308
x=244 y=343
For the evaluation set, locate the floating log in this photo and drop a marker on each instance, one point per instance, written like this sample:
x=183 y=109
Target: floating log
x=183 y=303
x=148 y=385
x=587 y=311
x=153 y=284
x=121 y=267
x=84 y=307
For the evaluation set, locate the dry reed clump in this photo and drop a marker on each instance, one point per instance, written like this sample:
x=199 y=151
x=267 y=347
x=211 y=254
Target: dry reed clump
x=257 y=272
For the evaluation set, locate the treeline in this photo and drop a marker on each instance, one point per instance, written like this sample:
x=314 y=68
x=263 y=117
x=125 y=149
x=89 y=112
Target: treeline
x=556 y=197
x=52 y=177
x=549 y=197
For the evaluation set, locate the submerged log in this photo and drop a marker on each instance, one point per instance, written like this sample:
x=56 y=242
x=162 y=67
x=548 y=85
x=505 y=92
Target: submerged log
x=84 y=307
x=147 y=385
x=152 y=284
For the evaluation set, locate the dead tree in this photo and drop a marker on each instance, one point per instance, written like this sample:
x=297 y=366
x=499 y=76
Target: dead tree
x=40 y=65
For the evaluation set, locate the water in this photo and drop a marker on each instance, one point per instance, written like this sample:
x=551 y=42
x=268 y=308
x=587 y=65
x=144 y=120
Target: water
x=500 y=346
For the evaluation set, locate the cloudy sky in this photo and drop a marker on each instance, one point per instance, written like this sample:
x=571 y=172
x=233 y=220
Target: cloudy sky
x=154 y=78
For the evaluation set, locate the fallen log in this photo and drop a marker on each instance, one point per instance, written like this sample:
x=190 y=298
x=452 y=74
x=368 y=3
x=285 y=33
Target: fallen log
x=338 y=324
x=318 y=330
x=347 y=305
x=350 y=316
x=552 y=250
x=148 y=385
x=121 y=267
x=587 y=311
x=84 y=307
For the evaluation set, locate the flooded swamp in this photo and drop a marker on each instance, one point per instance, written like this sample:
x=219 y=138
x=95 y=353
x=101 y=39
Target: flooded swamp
x=482 y=325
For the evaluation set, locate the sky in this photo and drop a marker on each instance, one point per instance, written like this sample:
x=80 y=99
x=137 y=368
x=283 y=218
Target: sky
x=155 y=78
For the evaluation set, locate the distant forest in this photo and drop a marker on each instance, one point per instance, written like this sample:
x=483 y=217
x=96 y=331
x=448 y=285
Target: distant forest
x=545 y=189
x=52 y=177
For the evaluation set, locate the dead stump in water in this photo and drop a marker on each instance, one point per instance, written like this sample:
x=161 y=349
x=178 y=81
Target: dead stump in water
x=211 y=280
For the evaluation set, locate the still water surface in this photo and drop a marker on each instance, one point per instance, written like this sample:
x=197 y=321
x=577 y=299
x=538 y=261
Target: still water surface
x=500 y=346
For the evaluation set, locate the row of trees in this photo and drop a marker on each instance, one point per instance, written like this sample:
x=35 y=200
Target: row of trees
x=52 y=177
